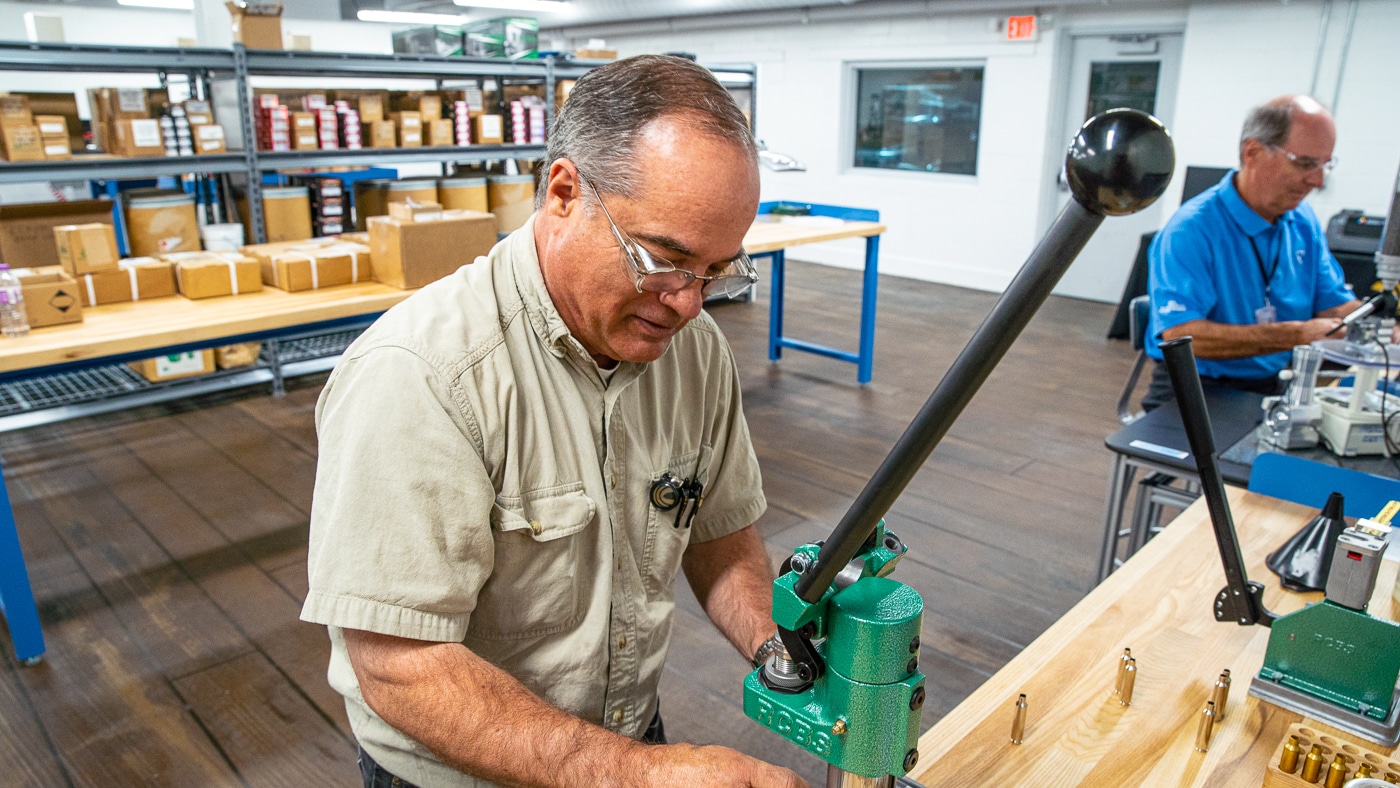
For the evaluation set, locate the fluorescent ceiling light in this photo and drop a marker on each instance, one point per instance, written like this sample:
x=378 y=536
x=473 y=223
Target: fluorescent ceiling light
x=177 y=5
x=407 y=18
x=538 y=6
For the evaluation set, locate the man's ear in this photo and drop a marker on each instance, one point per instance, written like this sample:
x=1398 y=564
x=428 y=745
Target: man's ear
x=563 y=190
x=1251 y=150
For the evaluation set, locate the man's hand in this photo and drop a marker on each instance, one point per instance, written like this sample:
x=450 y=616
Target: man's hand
x=687 y=764
x=1318 y=328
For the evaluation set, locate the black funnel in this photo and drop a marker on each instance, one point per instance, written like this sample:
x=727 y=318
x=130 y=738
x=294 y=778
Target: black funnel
x=1304 y=561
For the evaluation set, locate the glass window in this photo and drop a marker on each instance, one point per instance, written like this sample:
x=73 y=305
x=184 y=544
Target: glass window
x=1114 y=85
x=924 y=119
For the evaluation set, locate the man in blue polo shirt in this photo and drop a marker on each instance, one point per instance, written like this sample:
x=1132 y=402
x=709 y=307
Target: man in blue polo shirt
x=1244 y=268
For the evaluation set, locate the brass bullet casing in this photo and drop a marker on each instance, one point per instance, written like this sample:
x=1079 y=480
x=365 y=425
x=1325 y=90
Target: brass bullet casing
x=1206 y=727
x=1336 y=773
x=1220 y=695
x=1018 y=723
x=1125 y=694
x=1312 y=764
x=1365 y=770
x=1122 y=663
x=1288 y=761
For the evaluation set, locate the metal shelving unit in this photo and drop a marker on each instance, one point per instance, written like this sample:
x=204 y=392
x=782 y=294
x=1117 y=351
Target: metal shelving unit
x=70 y=394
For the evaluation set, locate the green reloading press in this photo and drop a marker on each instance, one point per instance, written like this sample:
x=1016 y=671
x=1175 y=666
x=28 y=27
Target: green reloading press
x=1331 y=661
x=846 y=685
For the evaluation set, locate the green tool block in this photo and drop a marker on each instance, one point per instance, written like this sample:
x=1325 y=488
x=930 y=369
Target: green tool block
x=863 y=714
x=1340 y=655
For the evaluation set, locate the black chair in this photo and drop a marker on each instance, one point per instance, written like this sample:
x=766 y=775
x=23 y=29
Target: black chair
x=1138 y=317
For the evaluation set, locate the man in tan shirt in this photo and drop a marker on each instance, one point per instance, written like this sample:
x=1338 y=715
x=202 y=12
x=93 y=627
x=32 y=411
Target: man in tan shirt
x=513 y=464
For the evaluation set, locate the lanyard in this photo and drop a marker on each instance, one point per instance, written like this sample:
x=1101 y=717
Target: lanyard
x=1269 y=274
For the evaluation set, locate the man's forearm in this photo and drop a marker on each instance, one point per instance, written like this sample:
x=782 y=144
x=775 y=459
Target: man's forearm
x=733 y=580
x=480 y=720
x=1222 y=341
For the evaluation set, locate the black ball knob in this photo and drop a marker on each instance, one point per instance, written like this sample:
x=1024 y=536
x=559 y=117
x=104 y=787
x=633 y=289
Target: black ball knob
x=1120 y=162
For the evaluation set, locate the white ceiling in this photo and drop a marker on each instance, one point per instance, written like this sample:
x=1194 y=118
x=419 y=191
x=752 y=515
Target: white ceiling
x=589 y=12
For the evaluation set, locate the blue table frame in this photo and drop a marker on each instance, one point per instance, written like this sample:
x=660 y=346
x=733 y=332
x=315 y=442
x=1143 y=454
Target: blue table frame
x=864 y=357
x=16 y=595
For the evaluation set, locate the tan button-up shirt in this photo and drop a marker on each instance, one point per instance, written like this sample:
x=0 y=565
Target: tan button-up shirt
x=478 y=482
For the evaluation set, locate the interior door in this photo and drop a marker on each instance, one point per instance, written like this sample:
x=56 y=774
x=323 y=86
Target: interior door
x=1138 y=71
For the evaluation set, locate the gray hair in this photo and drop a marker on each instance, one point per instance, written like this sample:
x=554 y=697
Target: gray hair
x=598 y=127
x=1271 y=121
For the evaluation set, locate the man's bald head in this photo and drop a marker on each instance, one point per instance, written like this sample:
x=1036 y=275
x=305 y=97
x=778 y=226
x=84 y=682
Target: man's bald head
x=1271 y=122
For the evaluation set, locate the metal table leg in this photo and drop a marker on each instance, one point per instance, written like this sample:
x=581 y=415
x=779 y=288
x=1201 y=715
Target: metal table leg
x=1119 y=481
x=775 y=306
x=16 y=597
x=869 y=289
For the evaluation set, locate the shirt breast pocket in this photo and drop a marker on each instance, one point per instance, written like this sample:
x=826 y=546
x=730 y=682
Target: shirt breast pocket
x=535 y=585
x=668 y=531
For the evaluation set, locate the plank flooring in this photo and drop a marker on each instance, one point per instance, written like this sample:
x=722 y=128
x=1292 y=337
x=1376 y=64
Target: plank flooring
x=167 y=544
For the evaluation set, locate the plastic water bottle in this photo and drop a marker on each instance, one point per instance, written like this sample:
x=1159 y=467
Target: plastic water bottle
x=14 y=321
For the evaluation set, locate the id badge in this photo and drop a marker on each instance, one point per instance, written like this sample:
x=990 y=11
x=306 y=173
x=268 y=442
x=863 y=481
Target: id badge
x=1266 y=314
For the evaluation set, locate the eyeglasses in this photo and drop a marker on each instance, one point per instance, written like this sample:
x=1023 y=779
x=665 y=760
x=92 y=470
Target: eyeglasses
x=656 y=275
x=1307 y=164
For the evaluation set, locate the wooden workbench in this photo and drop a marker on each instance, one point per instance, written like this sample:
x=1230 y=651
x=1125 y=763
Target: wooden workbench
x=1159 y=605
x=117 y=329
x=769 y=236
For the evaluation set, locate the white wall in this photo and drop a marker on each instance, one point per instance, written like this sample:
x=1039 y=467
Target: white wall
x=976 y=231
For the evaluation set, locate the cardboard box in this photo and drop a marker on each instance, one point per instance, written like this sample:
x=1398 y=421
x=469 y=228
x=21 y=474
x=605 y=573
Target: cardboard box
x=56 y=148
x=135 y=279
x=410 y=138
x=257 y=25
x=490 y=129
x=21 y=143
x=209 y=138
x=427 y=105
x=414 y=211
x=440 y=132
x=413 y=254
x=241 y=355
x=440 y=40
x=407 y=120
x=14 y=110
x=304 y=121
x=595 y=54
x=86 y=248
x=26 y=229
x=305 y=141
x=383 y=134
x=369 y=105
x=311 y=266
x=59 y=105
x=360 y=237
x=176 y=365
x=211 y=274
x=198 y=113
x=52 y=125
x=50 y=296
x=136 y=137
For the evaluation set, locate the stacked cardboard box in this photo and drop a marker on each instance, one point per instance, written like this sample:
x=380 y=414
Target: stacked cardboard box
x=19 y=134
x=409 y=254
x=122 y=121
x=176 y=365
x=53 y=136
x=489 y=130
x=86 y=248
x=410 y=128
x=133 y=279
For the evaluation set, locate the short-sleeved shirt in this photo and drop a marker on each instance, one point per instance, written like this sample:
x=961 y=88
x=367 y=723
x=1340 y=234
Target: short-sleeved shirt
x=1212 y=260
x=479 y=482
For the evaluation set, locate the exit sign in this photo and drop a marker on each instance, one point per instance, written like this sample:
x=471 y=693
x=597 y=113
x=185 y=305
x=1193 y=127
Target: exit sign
x=1021 y=28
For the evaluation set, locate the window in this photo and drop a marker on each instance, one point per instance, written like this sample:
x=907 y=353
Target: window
x=924 y=119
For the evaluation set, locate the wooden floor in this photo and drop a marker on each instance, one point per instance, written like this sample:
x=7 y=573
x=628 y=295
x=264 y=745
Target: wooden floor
x=167 y=545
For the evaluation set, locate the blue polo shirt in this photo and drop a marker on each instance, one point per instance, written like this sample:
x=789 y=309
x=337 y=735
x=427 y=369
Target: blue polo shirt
x=1211 y=260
